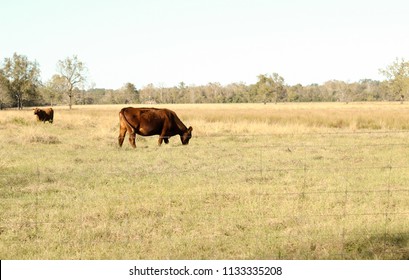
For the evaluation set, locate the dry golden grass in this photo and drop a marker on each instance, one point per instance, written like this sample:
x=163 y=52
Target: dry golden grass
x=289 y=181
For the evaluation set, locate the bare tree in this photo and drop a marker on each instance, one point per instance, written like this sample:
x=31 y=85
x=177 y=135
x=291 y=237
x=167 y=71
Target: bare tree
x=74 y=73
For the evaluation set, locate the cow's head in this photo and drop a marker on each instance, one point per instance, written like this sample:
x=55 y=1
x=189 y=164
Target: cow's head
x=36 y=111
x=185 y=137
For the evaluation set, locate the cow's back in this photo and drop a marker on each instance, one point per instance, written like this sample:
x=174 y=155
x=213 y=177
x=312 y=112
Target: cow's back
x=145 y=121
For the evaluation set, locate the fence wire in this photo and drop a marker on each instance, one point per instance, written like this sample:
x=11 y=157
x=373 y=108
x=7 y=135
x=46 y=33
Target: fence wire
x=312 y=177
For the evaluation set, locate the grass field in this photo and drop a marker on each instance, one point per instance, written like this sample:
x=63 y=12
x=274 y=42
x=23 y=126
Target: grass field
x=274 y=181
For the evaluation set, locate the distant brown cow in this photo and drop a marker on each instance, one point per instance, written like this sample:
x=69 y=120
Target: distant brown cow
x=151 y=121
x=44 y=115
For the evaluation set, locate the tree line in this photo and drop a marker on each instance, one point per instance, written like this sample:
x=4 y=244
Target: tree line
x=20 y=85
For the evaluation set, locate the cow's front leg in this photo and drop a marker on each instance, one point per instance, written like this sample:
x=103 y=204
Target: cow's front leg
x=160 y=140
x=163 y=138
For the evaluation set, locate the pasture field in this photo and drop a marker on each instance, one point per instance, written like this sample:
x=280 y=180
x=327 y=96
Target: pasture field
x=274 y=181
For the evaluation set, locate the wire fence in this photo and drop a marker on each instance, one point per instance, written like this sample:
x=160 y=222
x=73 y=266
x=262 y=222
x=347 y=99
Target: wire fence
x=314 y=197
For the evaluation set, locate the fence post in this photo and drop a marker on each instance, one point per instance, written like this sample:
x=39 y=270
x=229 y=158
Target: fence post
x=37 y=201
x=261 y=163
x=388 y=193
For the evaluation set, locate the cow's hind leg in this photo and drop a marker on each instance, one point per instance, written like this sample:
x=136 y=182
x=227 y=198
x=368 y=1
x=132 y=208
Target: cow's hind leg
x=122 y=133
x=132 y=137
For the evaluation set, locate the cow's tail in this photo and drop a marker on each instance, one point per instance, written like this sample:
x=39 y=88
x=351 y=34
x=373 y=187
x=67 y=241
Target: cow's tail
x=127 y=123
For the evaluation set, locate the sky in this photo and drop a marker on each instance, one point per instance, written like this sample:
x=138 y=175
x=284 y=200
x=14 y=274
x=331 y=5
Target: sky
x=202 y=41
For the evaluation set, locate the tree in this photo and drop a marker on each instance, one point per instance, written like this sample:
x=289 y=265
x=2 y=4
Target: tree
x=397 y=75
x=335 y=90
x=5 y=99
x=131 y=94
x=236 y=93
x=182 y=92
x=73 y=71
x=271 y=88
x=295 y=93
x=215 y=92
x=366 y=90
x=54 y=89
x=23 y=78
x=147 y=94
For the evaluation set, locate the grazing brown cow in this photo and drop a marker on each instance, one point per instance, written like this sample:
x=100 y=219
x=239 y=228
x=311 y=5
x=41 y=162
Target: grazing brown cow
x=151 y=121
x=44 y=115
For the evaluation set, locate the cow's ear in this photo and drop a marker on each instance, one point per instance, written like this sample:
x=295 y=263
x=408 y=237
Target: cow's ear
x=190 y=129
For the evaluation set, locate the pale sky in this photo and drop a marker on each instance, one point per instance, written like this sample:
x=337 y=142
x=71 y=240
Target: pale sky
x=201 y=41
